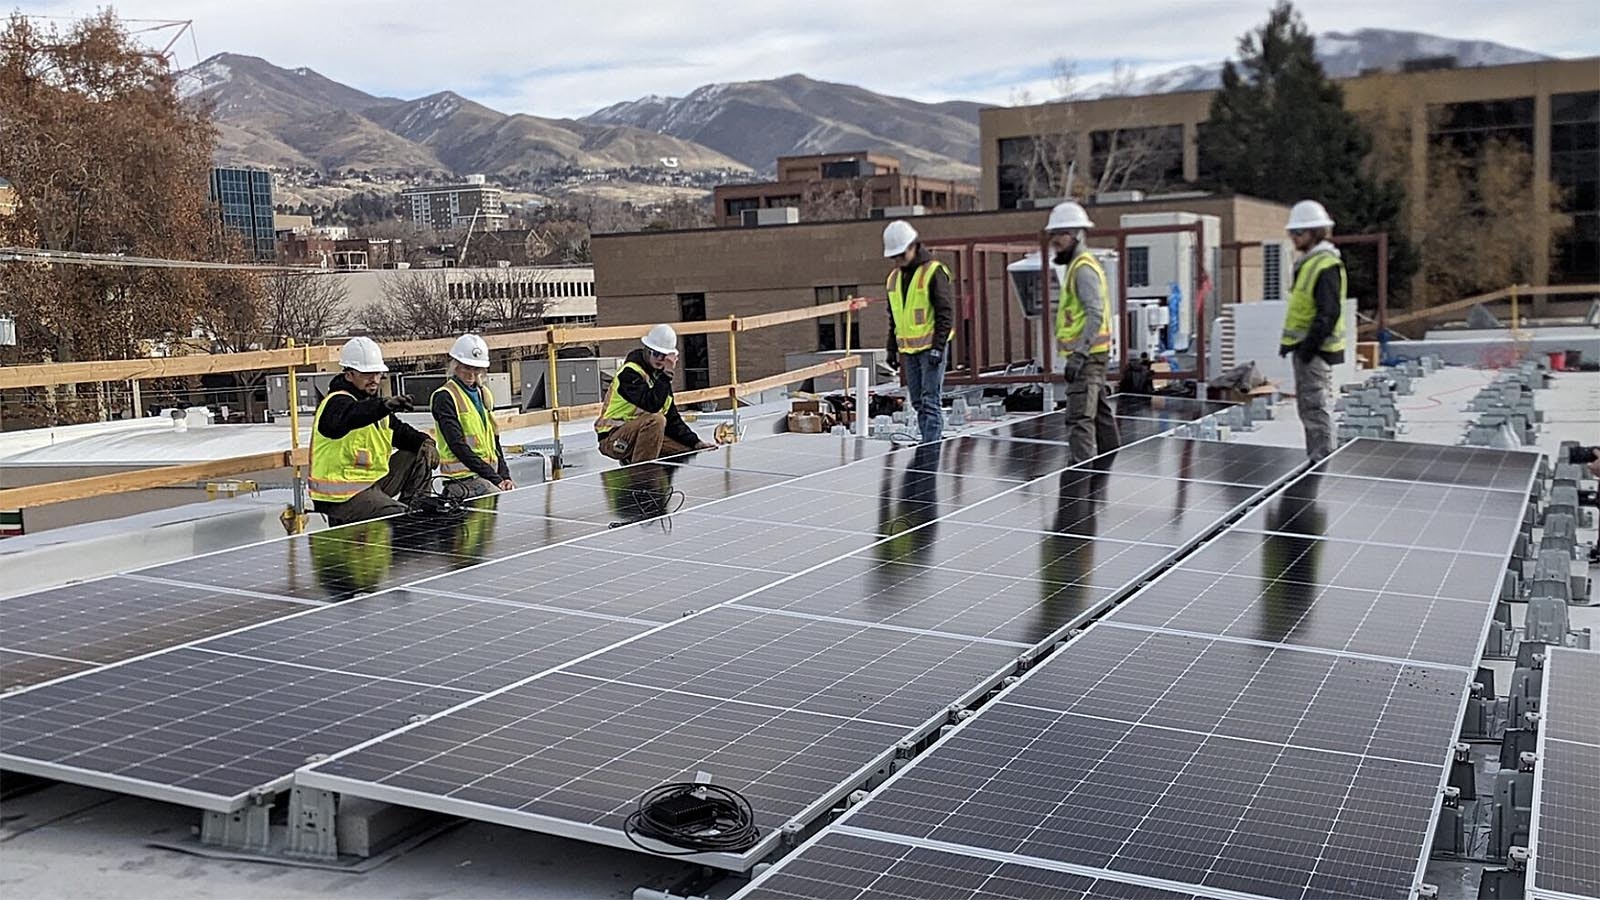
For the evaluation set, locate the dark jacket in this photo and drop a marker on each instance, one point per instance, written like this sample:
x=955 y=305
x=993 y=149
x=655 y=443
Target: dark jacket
x=649 y=393
x=1326 y=293
x=343 y=414
x=940 y=294
x=449 y=426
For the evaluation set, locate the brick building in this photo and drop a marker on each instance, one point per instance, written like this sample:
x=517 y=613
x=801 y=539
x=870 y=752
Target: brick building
x=704 y=274
x=850 y=184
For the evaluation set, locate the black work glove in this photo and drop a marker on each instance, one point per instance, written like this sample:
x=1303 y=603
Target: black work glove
x=894 y=361
x=1286 y=349
x=1075 y=364
x=429 y=452
x=399 y=403
x=1305 y=352
x=936 y=355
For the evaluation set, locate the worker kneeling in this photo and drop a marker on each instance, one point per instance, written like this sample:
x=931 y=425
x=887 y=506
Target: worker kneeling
x=640 y=421
x=365 y=462
x=1083 y=334
x=470 y=457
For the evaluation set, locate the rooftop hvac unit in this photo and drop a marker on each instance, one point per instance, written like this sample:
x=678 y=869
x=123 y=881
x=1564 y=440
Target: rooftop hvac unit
x=897 y=212
x=8 y=331
x=1156 y=262
x=1277 y=270
x=757 y=218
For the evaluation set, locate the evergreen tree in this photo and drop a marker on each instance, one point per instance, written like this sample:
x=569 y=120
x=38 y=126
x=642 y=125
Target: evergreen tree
x=1278 y=130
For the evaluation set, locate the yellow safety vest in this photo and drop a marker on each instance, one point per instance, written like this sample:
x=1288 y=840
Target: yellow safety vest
x=912 y=311
x=1303 y=302
x=1070 y=313
x=618 y=410
x=478 y=428
x=344 y=467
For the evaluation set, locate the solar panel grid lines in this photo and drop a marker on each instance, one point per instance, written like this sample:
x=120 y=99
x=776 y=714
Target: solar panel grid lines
x=1564 y=829
x=1400 y=461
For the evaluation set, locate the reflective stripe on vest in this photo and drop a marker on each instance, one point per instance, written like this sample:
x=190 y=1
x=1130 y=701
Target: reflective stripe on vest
x=618 y=410
x=912 y=311
x=476 y=426
x=1302 y=309
x=1070 y=315
x=344 y=467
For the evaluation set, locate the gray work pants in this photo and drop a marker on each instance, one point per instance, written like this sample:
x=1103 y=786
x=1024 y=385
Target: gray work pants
x=460 y=489
x=1091 y=425
x=1313 y=382
x=408 y=478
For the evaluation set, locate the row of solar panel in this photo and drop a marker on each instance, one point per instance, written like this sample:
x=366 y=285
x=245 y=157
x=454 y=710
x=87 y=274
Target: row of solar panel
x=1564 y=831
x=51 y=633
x=124 y=727
x=1270 y=718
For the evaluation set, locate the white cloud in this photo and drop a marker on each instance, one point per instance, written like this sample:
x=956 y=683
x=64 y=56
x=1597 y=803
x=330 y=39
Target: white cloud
x=567 y=59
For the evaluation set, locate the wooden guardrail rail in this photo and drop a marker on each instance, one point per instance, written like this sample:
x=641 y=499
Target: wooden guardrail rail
x=1513 y=293
x=168 y=476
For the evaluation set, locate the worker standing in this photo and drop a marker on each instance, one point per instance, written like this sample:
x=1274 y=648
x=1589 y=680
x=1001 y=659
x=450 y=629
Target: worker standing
x=1083 y=334
x=640 y=421
x=365 y=462
x=1313 y=325
x=470 y=457
x=921 y=323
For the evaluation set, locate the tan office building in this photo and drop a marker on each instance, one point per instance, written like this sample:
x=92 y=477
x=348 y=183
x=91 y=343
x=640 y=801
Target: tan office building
x=712 y=273
x=1552 y=107
x=867 y=180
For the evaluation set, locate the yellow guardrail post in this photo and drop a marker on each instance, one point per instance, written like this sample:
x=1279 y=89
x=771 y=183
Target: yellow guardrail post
x=552 y=394
x=733 y=372
x=294 y=518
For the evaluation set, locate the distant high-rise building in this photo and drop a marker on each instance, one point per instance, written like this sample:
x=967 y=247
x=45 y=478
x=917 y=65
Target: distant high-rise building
x=448 y=207
x=8 y=198
x=245 y=199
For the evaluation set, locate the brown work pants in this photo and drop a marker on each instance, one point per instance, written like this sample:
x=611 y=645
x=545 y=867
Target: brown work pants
x=640 y=439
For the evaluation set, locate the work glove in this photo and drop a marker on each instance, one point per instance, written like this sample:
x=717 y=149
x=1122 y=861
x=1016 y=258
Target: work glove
x=894 y=361
x=1075 y=364
x=399 y=403
x=937 y=356
x=1305 y=352
x=429 y=452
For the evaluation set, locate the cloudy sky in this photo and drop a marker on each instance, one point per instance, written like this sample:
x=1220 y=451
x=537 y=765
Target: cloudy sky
x=568 y=58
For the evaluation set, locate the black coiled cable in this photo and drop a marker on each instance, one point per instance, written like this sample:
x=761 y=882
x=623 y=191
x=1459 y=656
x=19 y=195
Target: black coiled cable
x=733 y=830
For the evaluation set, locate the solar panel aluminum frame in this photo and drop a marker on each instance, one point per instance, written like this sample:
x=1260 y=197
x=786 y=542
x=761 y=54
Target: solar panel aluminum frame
x=1531 y=877
x=311 y=777
x=842 y=824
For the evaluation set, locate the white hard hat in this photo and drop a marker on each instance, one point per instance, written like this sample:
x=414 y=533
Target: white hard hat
x=470 y=350
x=898 y=237
x=363 y=355
x=661 y=339
x=1067 y=216
x=1308 y=214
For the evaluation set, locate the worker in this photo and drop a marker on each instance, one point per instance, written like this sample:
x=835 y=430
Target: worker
x=365 y=462
x=470 y=457
x=640 y=421
x=1083 y=334
x=921 y=323
x=1313 y=324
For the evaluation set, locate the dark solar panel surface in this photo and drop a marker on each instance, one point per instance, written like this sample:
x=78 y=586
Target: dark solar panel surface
x=1372 y=567
x=1257 y=466
x=1566 y=818
x=1434 y=463
x=116 y=618
x=631 y=493
x=1416 y=514
x=851 y=867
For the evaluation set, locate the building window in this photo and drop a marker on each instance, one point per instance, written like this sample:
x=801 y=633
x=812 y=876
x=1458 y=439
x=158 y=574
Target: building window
x=1575 y=169
x=738 y=205
x=1466 y=126
x=781 y=202
x=1148 y=159
x=831 y=330
x=1138 y=267
x=696 y=352
x=1025 y=174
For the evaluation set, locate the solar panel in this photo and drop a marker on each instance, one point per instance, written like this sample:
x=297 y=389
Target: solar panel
x=1254 y=465
x=785 y=459
x=850 y=512
x=1372 y=567
x=1415 y=514
x=1253 y=607
x=900 y=677
x=1057 y=558
x=1161 y=406
x=200 y=728
x=1197 y=808
x=1022 y=608
x=471 y=537
x=1133 y=428
x=571 y=755
x=629 y=493
x=1564 y=833
x=849 y=866
x=700 y=538
x=1124 y=507
x=74 y=627
x=969 y=456
x=888 y=477
x=584 y=579
x=1434 y=463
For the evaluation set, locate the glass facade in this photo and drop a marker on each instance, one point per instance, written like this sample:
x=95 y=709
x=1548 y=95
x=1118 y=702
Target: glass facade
x=1575 y=170
x=244 y=197
x=1145 y=159
x=1466 y=126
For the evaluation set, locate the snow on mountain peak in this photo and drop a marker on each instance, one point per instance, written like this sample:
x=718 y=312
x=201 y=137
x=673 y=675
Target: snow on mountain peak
x=207 y=75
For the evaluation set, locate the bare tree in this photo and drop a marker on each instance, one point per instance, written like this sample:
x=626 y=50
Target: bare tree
x=304 y=307
x=835 y=201
x=414 y=304
x=508 y=299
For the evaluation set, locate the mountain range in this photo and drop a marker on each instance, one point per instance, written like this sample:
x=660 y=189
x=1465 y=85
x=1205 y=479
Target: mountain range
x=296 y=118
